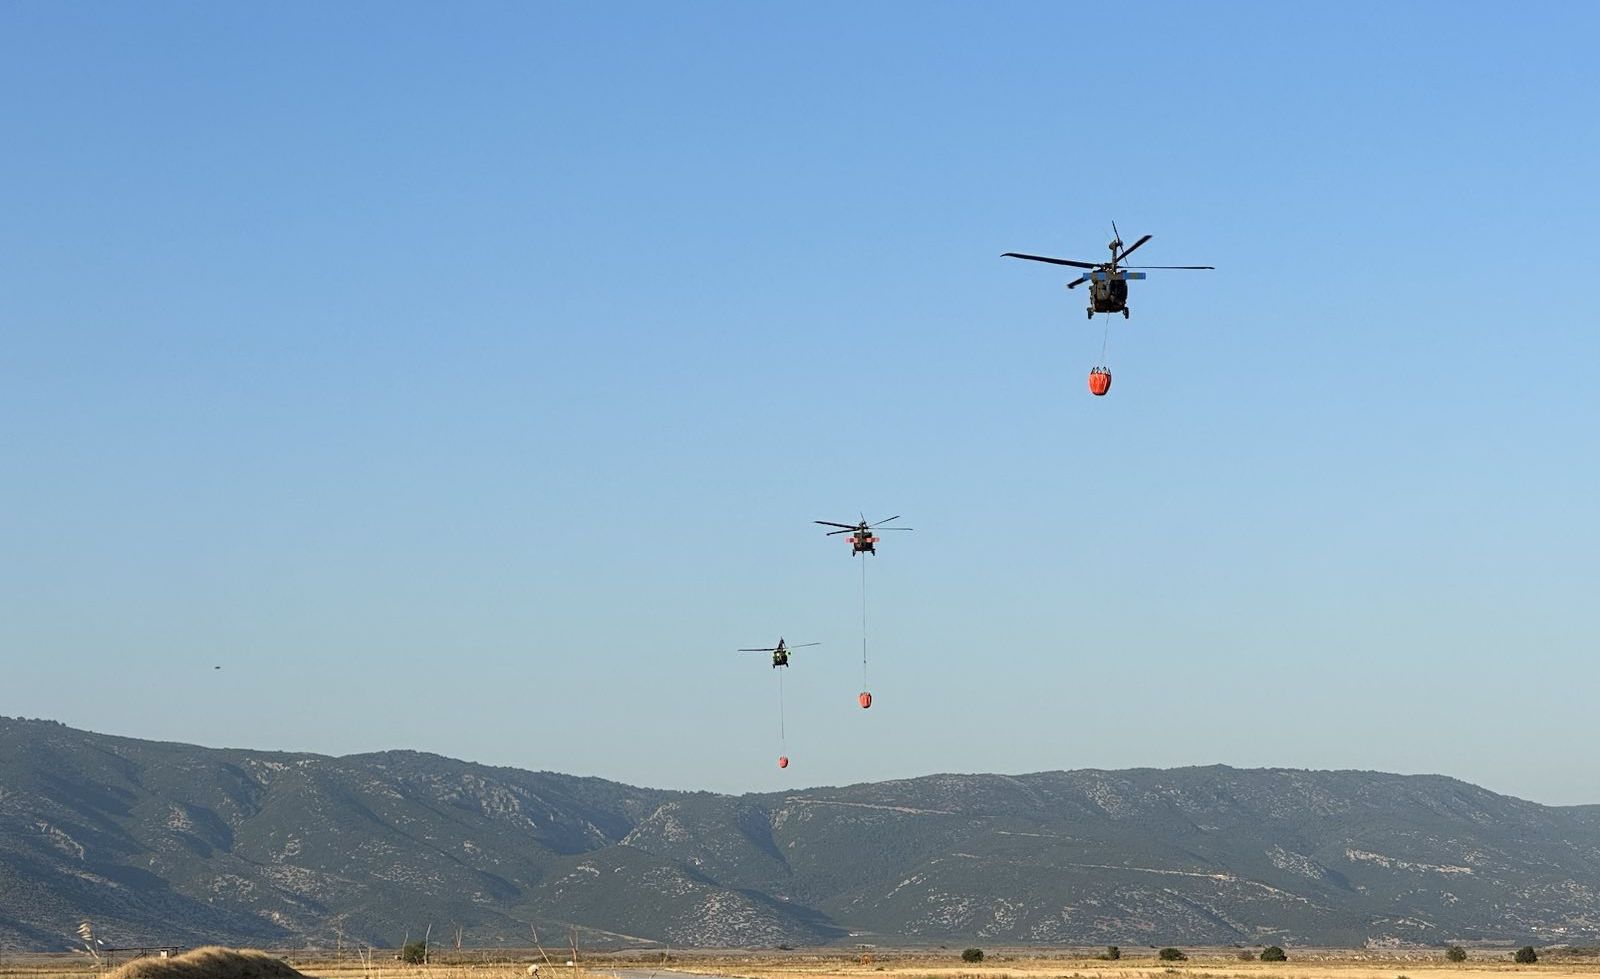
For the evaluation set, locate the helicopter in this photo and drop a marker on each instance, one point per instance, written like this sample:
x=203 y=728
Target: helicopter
x=1108 y=281
x=780 y=652
x=861 y=534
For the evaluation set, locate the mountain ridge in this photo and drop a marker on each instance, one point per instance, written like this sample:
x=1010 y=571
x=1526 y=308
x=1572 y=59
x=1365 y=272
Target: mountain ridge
x=163 y=841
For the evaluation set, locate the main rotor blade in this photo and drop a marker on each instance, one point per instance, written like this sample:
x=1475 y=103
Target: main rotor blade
x=1169 y=266
x=772 y=649
x=1131 y=247
x=1052 y=261
x=834 y=533
x=802 y=645
x=887 y=519
x=1075 y=283
x=830 y=523
x=894 y=528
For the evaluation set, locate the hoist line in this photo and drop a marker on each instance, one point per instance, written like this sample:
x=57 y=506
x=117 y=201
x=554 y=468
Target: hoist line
x=863 y=622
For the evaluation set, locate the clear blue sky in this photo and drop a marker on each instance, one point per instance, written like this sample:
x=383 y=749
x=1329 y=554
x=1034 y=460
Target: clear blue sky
x=466 y=378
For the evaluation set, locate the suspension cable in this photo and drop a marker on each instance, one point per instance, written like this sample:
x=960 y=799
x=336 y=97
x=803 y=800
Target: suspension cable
x=863 y=621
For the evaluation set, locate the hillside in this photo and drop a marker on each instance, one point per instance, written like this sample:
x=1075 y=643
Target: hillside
x=173 y=843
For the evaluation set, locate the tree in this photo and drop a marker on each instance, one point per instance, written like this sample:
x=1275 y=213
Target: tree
x=1456 y=953
x=1273 y=953
x=1113 y=953
x=1526 y=955
x=972 y=955
x=414 y=953
x=1172 y=955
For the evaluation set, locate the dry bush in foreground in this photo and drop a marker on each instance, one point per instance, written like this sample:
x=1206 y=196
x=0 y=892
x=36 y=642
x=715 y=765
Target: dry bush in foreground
x=211 y=962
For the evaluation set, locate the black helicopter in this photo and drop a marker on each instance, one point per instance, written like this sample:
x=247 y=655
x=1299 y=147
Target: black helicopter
x=780 y=652
x=1108 y=281
x=861 y=534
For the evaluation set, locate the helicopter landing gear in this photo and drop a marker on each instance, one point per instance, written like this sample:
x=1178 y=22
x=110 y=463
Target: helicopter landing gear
x=1124 y=312
x=1089 y=313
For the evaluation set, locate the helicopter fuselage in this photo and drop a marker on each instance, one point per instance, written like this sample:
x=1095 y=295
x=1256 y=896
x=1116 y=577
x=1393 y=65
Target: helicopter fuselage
x=1108 y=297
x=860 y=542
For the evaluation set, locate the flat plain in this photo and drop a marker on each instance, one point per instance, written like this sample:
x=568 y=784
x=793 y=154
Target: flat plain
x=837 y=964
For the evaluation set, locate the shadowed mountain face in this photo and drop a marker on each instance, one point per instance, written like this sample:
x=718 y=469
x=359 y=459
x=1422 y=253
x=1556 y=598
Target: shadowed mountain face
x=172 y=843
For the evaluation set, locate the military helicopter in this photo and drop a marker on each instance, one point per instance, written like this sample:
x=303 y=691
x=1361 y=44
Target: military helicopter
x=1108 y=281
x=780 y=652
x=861 y=534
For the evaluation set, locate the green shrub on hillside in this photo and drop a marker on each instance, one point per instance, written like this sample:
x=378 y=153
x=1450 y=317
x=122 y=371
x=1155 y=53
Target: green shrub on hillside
x=1172 y=955
x=972 y=955
x=1526 y=955
x=1273 y=953
x=1456 y=953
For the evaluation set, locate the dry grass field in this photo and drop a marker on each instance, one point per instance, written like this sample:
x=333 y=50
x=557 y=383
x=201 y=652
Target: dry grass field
x=1142 y=964
x=835 y=964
